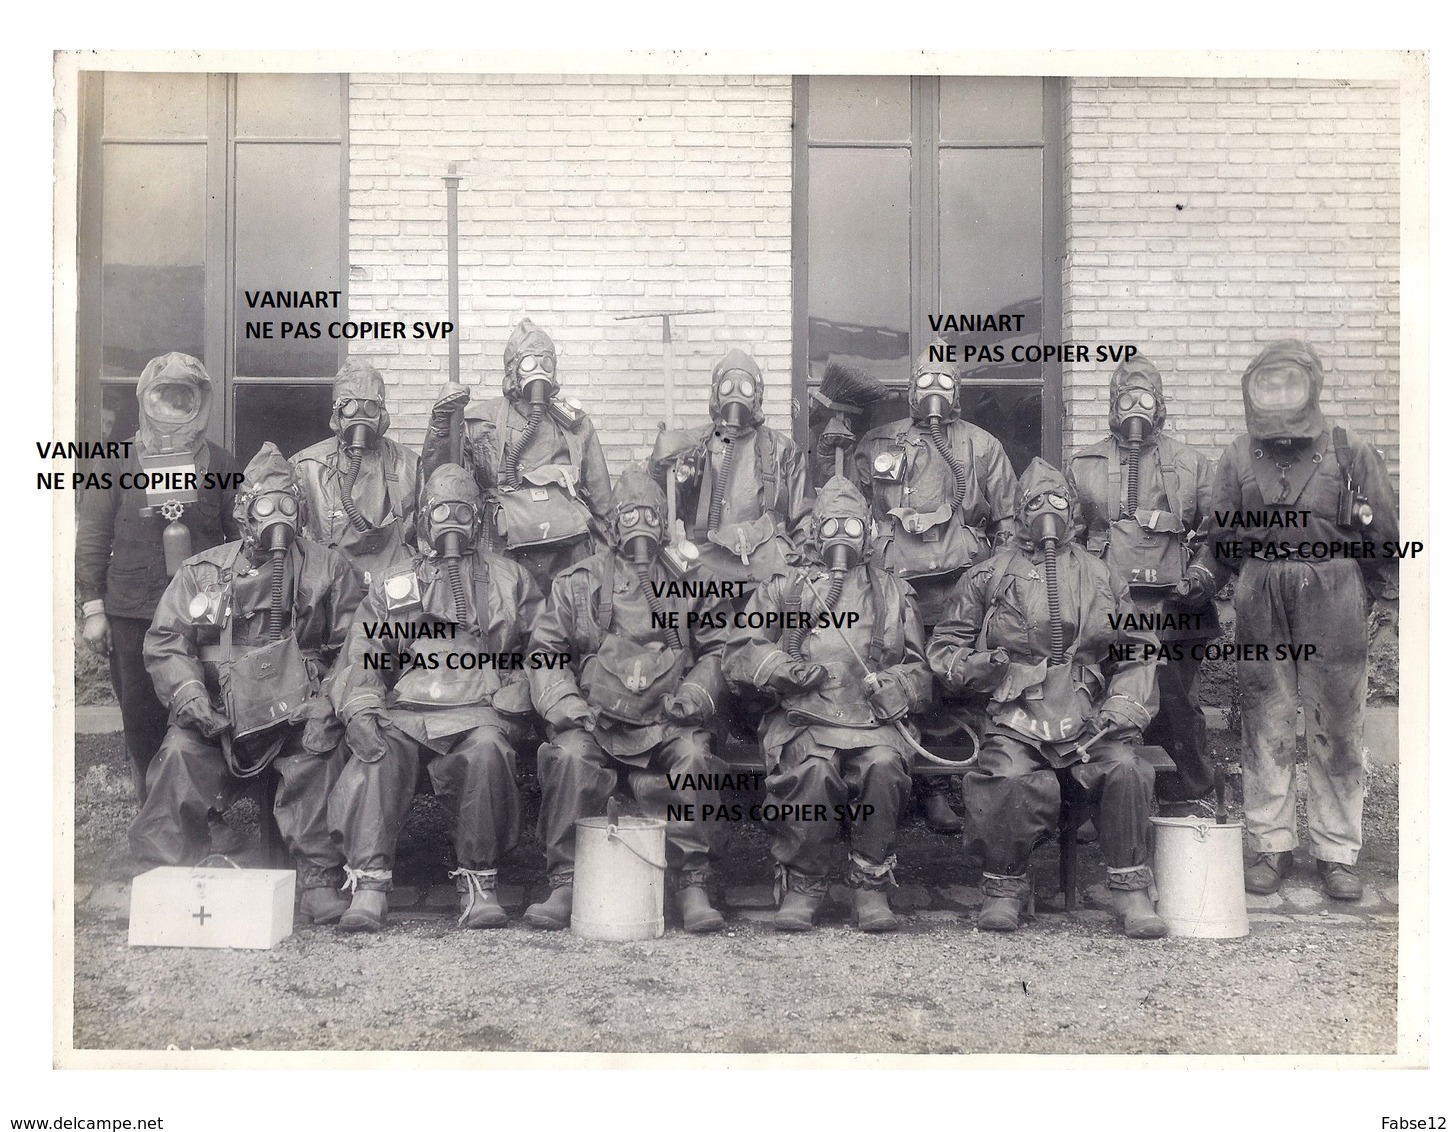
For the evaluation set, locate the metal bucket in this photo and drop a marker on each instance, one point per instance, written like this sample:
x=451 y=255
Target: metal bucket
x=1198 y=867
x=621 y=872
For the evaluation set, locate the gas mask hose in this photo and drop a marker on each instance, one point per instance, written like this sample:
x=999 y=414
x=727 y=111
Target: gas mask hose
x=722 y=475
x=795 y=639
x=509 y=475
x=1054 y=601
x=351 y=509
x=1134 y=462
x=450 y=547
x=275 y=597
x=942 y=445
x=659 y=611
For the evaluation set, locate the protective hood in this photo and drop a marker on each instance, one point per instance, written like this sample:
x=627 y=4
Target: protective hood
x=267 y=473
x=524 y=339
x=1136 y=374
x=1282 y=409
x=840 y=499
x=917 y=396
x=733 y=366
x=360 y=380
x=160 y=431
x=1039 y=478
x=636 y=488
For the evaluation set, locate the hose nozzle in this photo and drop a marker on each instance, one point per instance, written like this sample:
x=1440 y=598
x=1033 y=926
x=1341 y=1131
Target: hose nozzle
x=277 y=537
x=358 y=437
x=640 y=549
x=537 y=389
x=1134 y=428
x=734 y=414
x=839 y=556
x=450 y=544
x=1048 y=527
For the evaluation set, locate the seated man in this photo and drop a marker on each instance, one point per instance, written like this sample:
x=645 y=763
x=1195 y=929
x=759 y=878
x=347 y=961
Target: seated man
x=833 y=743
x=241 y=640
x=1036 y=628
x=433 y=669
x=643 y=678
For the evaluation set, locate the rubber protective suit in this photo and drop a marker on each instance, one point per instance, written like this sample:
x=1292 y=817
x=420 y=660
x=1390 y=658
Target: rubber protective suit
x=1154 y=494
x=367 y=513
x=1289 y=465
x=218 y=608
x=1000 y=639
x=831 y=740
x=535 y=457
x=635 y=695
x=434 y=671
x=121 y=569
x=742 y=486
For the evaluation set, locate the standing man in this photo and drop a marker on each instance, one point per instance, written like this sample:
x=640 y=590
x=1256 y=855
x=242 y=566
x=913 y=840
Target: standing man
x=239 y=647
x=535 y=457
x=361 y=485
x=832 y=746
x=942 y=494
x=1039 y=628
x=122 y=566
x=1142 y=496
x=642 y=680
x=434 y=670
x=1293 y=482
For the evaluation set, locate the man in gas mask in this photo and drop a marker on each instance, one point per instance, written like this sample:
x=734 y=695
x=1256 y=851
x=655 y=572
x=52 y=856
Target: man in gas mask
x=361 y=485
x=741 y=487
x=844 y=689
x=1293 y=480
x=535 y=456
x=643 y=680
x=130 y=541
x=1142 y=496
x=942 y=493
x=432 y=671
x=240 y=645
x=1035 y=629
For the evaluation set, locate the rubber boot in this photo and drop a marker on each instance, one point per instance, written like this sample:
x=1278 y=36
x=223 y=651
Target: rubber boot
x=796 y=913
x=553 y=913
x=1134 y=909
x=322 y=905
x=478 y=906
x=872 y=911
x=1000 y=914
x=939 y=816
x=366 y=911
x=698 y=914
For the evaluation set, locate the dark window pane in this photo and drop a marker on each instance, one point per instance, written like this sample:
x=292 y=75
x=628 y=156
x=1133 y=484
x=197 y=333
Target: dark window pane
x=859 y=108
x=990 y=109
x=990 y=251
x=118 y=409
x=289 y=106
x=287 y=239
x=291 y=416
x=147 y=105
x=151 y=253
x=1012 y=414
x=859 y=260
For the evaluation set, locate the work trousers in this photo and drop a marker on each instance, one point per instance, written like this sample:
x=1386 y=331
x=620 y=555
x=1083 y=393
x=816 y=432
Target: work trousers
x=474 y=779
x=1180 y=728
x=1014 y=797
x=1295 y=603
x=143 y=716
x=189 y=778
x=578 y=776
x=808 y=775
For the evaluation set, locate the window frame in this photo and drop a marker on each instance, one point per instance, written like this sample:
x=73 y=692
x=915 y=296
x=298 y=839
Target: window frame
x=925 y=146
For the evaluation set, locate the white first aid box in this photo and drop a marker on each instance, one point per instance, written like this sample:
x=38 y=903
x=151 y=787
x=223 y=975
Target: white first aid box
x=174 y=907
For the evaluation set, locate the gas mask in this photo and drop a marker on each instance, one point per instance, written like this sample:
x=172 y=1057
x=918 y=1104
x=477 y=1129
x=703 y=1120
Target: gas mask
x=736 y=395
x=934 y=395
x=1047 y=516
x=841 y=541
x=1135 y=410
x=360 y=420
x=536 y=377
x=453 y=523
x=639 y=533
x=274 y=518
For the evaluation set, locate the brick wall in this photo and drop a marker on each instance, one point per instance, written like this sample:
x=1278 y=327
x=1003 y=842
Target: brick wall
x=584 y=198
x=1206 y=218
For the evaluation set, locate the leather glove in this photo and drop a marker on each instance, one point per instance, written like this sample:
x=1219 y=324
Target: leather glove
x=1119 y=713
x=96 y=632
x=365 y=733
x=570 y=712
x=1198 y=588
x=887 y=699
x=453 y=396
x=199 y=714
x=687 y=706
x=798 y=676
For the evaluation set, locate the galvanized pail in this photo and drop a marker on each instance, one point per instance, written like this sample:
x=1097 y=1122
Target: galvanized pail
x=621 y=872
x=1198 y=866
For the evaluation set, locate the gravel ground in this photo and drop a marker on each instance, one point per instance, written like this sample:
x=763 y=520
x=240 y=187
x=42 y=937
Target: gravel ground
x=1065 y=984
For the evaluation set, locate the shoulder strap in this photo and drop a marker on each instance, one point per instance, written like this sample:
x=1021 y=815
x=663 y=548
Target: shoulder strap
x=600 y=617
x=1114 y=484
x=501 y=420
x=992 y=596
x=1342 y=449
x=768 y=469
x=877 y=613
x=1172 y=479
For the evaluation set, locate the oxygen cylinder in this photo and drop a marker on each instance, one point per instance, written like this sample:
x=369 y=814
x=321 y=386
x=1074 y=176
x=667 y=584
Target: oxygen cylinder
x=176 y=545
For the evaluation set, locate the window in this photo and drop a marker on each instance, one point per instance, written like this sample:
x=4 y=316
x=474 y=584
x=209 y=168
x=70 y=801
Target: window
x=194 y=189
x=919 y=196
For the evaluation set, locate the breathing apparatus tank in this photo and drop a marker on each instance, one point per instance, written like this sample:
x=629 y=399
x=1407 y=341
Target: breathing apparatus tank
x=176 y=538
